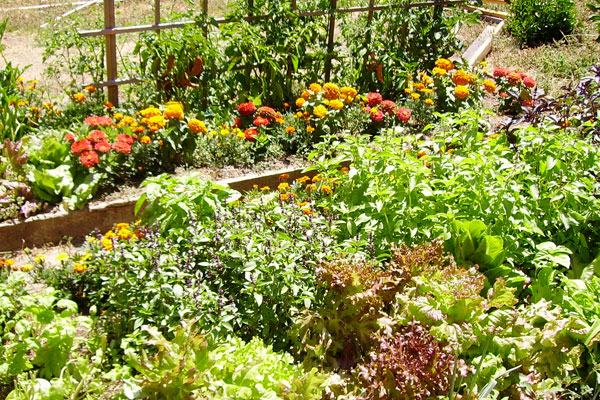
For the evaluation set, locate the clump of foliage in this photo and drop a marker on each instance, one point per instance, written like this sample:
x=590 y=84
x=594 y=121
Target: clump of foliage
x=188 y=365
x=412 y=364
x=534 y=22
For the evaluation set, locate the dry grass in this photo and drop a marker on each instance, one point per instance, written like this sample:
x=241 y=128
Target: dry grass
x=553 y=65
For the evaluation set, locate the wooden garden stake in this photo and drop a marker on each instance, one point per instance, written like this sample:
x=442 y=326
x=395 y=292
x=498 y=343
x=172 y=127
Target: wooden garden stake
x=330 y=38
x=111 y=52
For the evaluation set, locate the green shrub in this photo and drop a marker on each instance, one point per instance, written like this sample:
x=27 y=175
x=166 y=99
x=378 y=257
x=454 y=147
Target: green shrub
x=534 y=21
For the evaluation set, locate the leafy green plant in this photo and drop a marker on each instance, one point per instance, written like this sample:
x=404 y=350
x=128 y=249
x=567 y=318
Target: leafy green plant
x=595 y=17
x=188 y=366
x=533 y=22
x=39 y=331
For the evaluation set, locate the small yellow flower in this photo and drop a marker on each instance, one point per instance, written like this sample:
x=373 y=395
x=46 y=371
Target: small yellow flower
x=303 y=179
x=40 y=258
x=290 y=129
x=90 y=88
x=283 y=186
x=300 y=102
x=310 y=129
x=26 y=267
x=429 y=102
x=265 y=189
x=145 y=139
x=79 y=97
x=320 y=111
x=20 y=79
x=326 y=189
x=415 y=96
x=109 y=235
x=62 y=257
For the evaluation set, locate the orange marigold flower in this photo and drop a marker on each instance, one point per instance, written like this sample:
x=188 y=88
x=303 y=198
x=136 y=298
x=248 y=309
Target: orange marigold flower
x=307 y=211
x=303 y=179
x=444 y=63
x=311 y=187
x=461 y=77
x=300 y=102
x=326 y=189
x=305 y=95
x=331 y=91
x=145 y=139
x=349 y=92
x=109 y=105
x=197 y=126
x=90 y=88
x=284 y=196
x=415 y=96
x=336 y=104
x=461 y=92
x=429 y=102
x=290 y=129
x=174 y=110
x=284 y=177
x=310 y=129
x=79 y=267
x=489 y=86
x=314 y=87
x=79 y=97
x=283 y=186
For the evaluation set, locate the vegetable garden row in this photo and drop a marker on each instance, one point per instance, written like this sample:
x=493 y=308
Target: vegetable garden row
x=425 y=255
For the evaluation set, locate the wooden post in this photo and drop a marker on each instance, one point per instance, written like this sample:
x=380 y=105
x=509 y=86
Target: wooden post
x=438 y=9
x=157 y=13
x=111 y=51
x=330 y=39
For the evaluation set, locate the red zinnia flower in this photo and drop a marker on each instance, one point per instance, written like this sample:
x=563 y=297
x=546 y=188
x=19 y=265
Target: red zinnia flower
x=377 y=116
x=122 y=147
x=97 y=136
x=125 y=139
x=102 y=147
x=403 y=114
x=514 y=78
x=80 y=146
x=388 y=107
x=95 y=121
x=238 y=122
x=260 y=121
x=89 y=158
x=70 y=137
x=374 y=99
x=251 y=134
x=529 y=82
x=500 y=72
x=246 y=109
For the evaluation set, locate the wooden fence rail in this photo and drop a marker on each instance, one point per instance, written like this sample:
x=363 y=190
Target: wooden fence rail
x=110 y=31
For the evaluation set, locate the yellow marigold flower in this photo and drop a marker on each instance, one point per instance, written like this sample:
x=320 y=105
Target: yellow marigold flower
x=336 y=104
x=286 y=105
x=109 y=105
x=300 y=101
x=320 y=111
x=145 y=139
x=444 y=63
x=174 y=110
x=284 y=196
x=30 y=87
x=90 y=88
x=311 y=187
x=79 y=97
x=307 y=211
x=305 y=95
x=427 y=80
x=107 y=244
x=489 y=86
x=461 y=92
x=303 y=179
x=22 y=103
x=310 y=129
x=122 y=225
x=62 y=257
x=109 y=235
x=301 y=203
x=128 y=120
x=326 y=189
x=118 y=116
x=483 y=64
x=150 y=112
x=26 y=267
x=415 y=96
x=240 y=135
x=331 y=91
x=461 y=77
x=40 y=258
x=314 y=87
x=224 y=132
x=156 y=122
x=124 y=234
x=408 y=90
x=79 y=267
x=418 y=85
x=34 y=109
x=197 y=126
x=426 y=90
x=20 y=79
x=349 y=92
x=265 y=189
x=429 y=102
x=283 y=186
x=290 y=129
x=316 y=178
